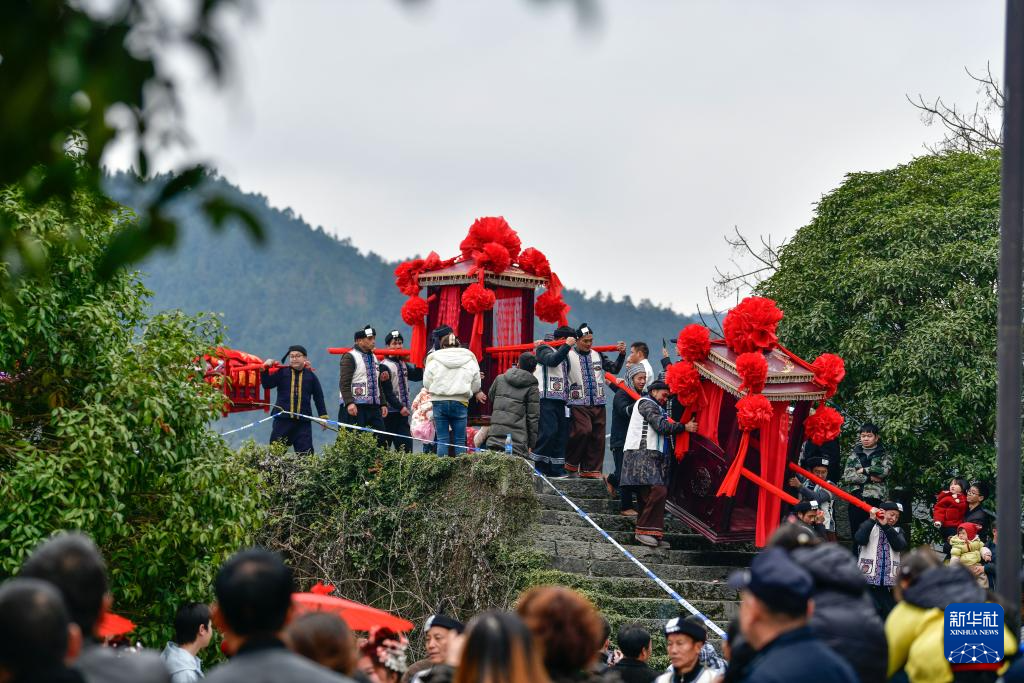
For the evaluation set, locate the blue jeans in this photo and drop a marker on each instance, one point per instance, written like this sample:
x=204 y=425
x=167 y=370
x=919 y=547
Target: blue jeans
x=450 y=415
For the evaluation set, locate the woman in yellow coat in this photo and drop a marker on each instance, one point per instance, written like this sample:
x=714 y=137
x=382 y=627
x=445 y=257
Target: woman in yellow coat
x=915 y=627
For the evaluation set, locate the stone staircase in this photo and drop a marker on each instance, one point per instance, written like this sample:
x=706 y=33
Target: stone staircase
x=579 y=557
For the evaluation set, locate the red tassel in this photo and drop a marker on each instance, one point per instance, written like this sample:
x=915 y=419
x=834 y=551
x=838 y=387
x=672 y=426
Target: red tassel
x=683 y=439
x=476 y=340
x=732 y=477
x=418 y=345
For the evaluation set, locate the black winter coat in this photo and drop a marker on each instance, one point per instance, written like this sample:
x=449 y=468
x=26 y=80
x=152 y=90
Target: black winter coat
x=634 y=671
x=622 y=409
x=844 y=617
x=798 y=657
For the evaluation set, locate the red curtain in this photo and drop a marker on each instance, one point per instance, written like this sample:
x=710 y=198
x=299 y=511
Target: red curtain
x=449 y=307
x=774 y=446
x=507 y=325
x=707 y=417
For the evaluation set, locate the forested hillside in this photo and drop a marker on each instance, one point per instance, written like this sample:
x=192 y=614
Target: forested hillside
x=304 y=286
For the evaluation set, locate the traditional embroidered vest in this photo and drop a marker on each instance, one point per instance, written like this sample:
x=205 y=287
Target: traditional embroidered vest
x=639 y=435
x=552 y=381
x=586 y=379
x=398 y=372
x=365 y=385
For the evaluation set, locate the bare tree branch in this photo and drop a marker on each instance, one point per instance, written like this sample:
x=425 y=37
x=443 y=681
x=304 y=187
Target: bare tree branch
x=751 y=265
x=965 y=130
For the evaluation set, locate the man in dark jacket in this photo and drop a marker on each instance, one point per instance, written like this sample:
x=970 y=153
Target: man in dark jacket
x=297 y=390
x=552 y=375
x=395 y=374
x=362 y=399
x=73 y=564
x=622 y=410
x=881 y=541
x=254 y=597
x=635 y=645
x=867 y=469
x=844 y=617
x=976 y=514
x=515 y=407
x=775 y=594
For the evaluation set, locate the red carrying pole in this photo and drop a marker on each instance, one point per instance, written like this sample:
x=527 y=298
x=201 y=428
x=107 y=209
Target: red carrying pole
x=612 y=379
x=769 y=487
x=338 y=350
x=530 y=347
x=835 y=490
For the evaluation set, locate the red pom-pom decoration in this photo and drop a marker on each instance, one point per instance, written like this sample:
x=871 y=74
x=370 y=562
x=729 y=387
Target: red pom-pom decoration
x=694 y=343
x=829 y=371
x=491 y=229
x=684 y=381
x=534 y=262
x=493 y=257
x=414 y=310
x=407 y=276
x=477 y=299
x=550 y=307
x=751 y=325
x=823 y=426
x=753 y=370
x=753 y=411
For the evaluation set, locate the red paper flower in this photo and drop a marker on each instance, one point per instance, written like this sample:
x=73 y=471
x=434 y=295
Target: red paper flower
x=414 y=310
x=829 y=371
x=753 y=370
x=534 y=262
x=684 y=381
x=753 y=411
x=751 y=325
x=823 y=426
x=550 y=307
x=407 y=276
x=694 y=343
x=493 y=257
x=491 y=229
x=477 y=299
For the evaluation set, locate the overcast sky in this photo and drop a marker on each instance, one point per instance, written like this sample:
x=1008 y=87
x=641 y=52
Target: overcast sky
x=624 y=152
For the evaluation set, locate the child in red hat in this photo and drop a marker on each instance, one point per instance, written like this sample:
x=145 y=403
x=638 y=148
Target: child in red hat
x=969 y=551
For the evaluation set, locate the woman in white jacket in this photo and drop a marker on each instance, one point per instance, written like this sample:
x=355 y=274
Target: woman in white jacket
x=452 y=376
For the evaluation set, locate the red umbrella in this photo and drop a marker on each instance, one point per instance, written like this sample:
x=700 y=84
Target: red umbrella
x=114 y=625
x=358 y=616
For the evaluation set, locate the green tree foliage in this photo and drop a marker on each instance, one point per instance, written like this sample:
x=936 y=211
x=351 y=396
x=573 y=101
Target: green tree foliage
x=897 y=274
x=104 y=423
x=73 y=79
x=413 y=534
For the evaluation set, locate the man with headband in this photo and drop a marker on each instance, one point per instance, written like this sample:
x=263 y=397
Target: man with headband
x=552 y=375
x=297 y=388
x=362 y=400
x=395 y=374
x=584 y=454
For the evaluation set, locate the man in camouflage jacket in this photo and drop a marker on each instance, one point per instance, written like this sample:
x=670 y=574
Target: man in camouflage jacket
x=866 y=472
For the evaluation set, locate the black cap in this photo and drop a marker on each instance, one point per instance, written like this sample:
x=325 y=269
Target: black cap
x=806 y=506
x=443 y=621
x=890 y=505
x=564 y=331
x=777 y=581
x=691 y=626
x=366 y=331
x=583 y=330
x=656 y=384
x=811 y=463
x=294 y=347
x=393 y=335
x=869 y=428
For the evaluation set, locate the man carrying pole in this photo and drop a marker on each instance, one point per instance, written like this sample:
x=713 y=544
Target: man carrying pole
x=395 y=375
x=585 y=453
x=297 y=386
x=362 y=401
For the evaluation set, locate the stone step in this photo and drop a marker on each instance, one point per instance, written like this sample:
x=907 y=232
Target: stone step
x=602 y=550
x=718 y=611
x=625 y=568
x=679 y=541
x=574 y=488
x=636 y=587
x=550 y=501
x=607 y=522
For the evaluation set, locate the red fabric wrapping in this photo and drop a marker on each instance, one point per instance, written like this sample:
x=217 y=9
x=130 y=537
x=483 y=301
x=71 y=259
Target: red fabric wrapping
x=753 y=411
x=732 y=476
x=710 y=412
x=774 y=446
x=683 y=440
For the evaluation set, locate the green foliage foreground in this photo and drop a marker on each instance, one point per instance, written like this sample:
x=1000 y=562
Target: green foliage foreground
x=897 y=274
x=412 y=534
x=104 y=424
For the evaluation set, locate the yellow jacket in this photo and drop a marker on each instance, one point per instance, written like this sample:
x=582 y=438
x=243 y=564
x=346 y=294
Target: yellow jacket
x=915 y=631
x=968 y=552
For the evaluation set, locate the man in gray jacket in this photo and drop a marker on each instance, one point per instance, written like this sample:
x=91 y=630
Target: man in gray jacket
x=515 y=401
x=254 y=597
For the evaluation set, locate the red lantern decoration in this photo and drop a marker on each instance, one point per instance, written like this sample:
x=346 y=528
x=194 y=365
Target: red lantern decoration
x=414 y=313
x=823 y=426
x=476 y=300
x=684 y=381
x=753 y=370
x=751 y=325
x=829 y=371
x=694 y=343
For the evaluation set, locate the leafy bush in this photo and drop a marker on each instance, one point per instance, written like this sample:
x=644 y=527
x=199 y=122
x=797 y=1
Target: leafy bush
x=412 y=534
x=104 y=423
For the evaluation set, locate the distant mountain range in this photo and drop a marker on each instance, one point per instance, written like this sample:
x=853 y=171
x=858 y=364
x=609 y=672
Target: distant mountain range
x=304 y=286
